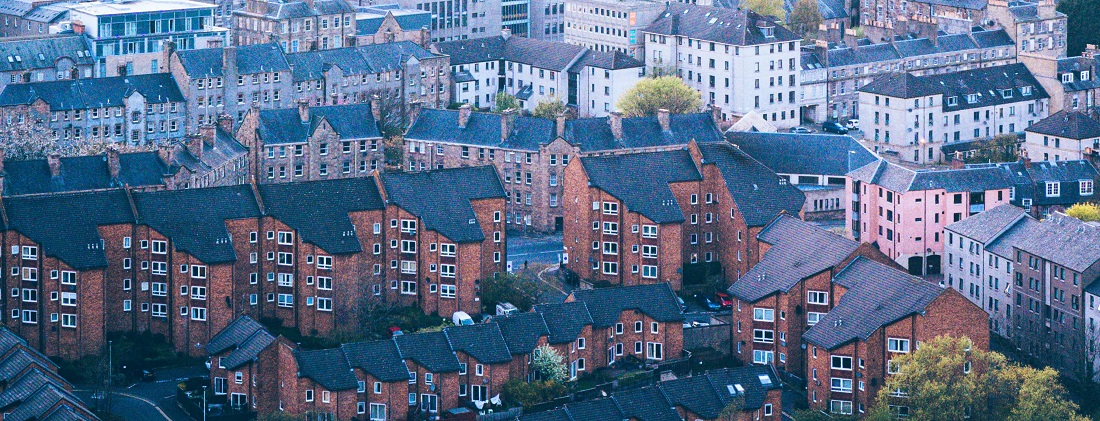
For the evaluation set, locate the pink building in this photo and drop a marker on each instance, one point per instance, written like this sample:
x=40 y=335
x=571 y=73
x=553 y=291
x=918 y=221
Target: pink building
x=904 y=212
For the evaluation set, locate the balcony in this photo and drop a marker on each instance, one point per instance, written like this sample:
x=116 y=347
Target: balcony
x=976 y=208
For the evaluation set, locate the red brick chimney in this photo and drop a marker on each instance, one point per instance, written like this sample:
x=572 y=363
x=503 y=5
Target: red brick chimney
x=507 y=123
x=78 y=27
x=615 y=120
x=113 y=166
x=376 y=107
x=464 y=115
x=194 y=145
x=208 y=131
x=662 y=119
x=54 y=161
x=166 y=153
x=225 y=122
x=559 y=124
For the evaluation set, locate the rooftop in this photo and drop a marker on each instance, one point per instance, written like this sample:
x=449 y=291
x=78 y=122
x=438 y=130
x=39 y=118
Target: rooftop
x=1068 y=124
x=741 y=27
x=110 y=8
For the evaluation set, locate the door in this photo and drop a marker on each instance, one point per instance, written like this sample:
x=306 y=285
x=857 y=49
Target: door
x=916 y=264
x=429 y=403
x=933 y=265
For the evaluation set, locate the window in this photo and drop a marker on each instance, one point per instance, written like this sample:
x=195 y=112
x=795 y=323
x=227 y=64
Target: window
x=408 y=226
x=446 y=250
x=408 y=287
x=817 y=297
x=69 y=278
x=812 y=318
x=1054 y=189
x=841 y=385
x=324 y=262
x=649 y=231
x=1086 y=187
x=324 y=304
x=198 y=313
x=286 y=300
x=840 y=407
x=447 y=291
x=286 y=238
x=841 y=362
x=378 y=412
x=897 y=345
x=762 y=357
x=447 y=271
x=30 y=253
x=763 y=336
x=763 y=314
x=68 y=320
x=654 y=351
x=198 y=271
x=610 y=208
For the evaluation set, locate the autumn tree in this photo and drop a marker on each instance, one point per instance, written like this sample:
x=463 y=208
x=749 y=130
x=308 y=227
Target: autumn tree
x=667 y=92
x=1088 y=212
x=549 y=107
x=549 y=364
x=949 y=378
x=504 y=101
x=772 y=8
x=805 y=18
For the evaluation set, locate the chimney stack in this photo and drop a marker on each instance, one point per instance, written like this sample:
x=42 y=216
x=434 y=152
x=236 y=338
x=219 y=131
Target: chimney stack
x=559 y=124
x=716 y=115
x=507 y=123
x=505 y=33
x=225 y=122
x=376 y=107
x=229 y=60
x=208 y=131
x=2 y=157
x=615 y=120
x=78 y=27
x=113 y=166
x=414 y=110
x=54 y=160
x=464 y=115
x=194 y=145
x=166 y=153
x=303 y=110
x=662 y=118
x=1090 y=51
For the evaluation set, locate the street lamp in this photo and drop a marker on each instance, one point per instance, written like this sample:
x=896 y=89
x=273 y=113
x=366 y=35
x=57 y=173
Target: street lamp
x=204 y=403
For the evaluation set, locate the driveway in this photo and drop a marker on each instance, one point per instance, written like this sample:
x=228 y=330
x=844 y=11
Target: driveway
x=154 y=400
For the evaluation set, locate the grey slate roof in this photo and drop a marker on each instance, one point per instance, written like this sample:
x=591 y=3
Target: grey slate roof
x=25 y=385
x=9 y=341
x=877 y=296
x=83 y=94
x=986 y=82
x=594 y=134
x=251 y=59
x=327 y=367
x=900 y=85
x=610 y=60
x=564 y=321
x=607 y=304
x=841 y=56
x=16 y=363
x=1030 y=181
x=756 y=190
x=44 y=52
x=285 y=125
x=549 y=55
x=1019 y=231
x=522 y=331
x=798 y=250
x=441 y=198
x=368 y=21
x=788 y=153
x=428 y=349
x=484 y=342
x=233 y=335
x=138 y=169
x=380 y=359
x=647 y=190
x=900 y=179
x=225 y=148
x=76 y=215
x=1068 y=124
x=595 y=410
x=40 y=404
x=965 y=4
x=482 y=129
x=297 y=9
x=987 y=225
x=750 y=378
x=195 y=218
x=647 y=403
x=727 y=26
x=1066 y=241
x=319 y=210
x=249 y=350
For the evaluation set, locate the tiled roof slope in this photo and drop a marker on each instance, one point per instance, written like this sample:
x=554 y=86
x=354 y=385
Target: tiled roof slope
x=194 y=219
x=319 y=210
x=349 y=121
x=138 y=169
x=1068 y=124
x=900 y=179
x=877 y=296
x=727 y=26
x=483 y=342
x=522 y=331
x=539 y=53
x=607 y=304
x=44 y=52
x=647 y=403
x=441 y=198
x=83 y=94
x=757 y=190
x=380 y=359
x=564 y=321
x=65 y=224
x=239 y=330
x=798 y=250
x=641 y=180
x=788 y=153
x=250 y=59
x=594 y=134
x=1066 y=241
x=986 y=82
x=987 y=225
x=1030 y=180
x=482 y=129
x=428 y=349
x=327 y=367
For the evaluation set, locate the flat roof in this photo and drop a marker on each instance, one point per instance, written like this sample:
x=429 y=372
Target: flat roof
x=101 y=8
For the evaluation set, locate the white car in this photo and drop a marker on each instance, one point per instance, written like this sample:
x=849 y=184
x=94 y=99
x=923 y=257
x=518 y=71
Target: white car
x=853 y=124
x=460 y=318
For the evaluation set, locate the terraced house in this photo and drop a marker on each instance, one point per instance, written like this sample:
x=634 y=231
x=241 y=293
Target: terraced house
x=45 y=59
x=670 y=216
x=428 y=373
x=32 y=388
x=532 y=154
x=137 y=110
x=303 y=25
x=299 y=252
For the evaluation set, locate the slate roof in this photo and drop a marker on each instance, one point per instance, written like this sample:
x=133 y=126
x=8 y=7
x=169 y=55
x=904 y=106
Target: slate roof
x=818 y=154
x=987 y=225
x=137 y=169
x=225 y=148
x=594 y=134
x=877 y=296
x=368 y=21
x=751 y=378
x=249 y=350
x=900 y=179
x=1030 y=181
x=195 y=218
x=987 y=82
x=285 y=126
x=327 y=367
x=756 y=190
x=610 y=60
x=1017 y=232
x=798 y=250
x=727 y=26
x=428 y=349
x=239 y=330
x=484 y=342
x=65 y=224
x=9 y=340
x=965 y=4
x=522 y=331
x=26 y=384
x=251 y=59
x=319 y=210
x=564 y=321
x=829 y=9
x=1068 y=124
x=549 y=55
x=80 y=94
x=1067 y=241
x=607 y=304
x=649 y=195
x=1076 y=65
x=842 y=56
x=380 y=359
x=16 y=362
x=595 y=410
x=647 y=403
x=482 y=129
x=441 y=198
x=41 y=403
x=297 y=9
x=44 y=52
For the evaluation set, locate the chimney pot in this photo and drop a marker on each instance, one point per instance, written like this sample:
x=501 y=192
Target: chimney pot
x=208 y=132
x=166 y=152
x=464 y=115
x=113 y=166
x=194 y=145
x=54 y=161
x=303 y=110
x=615 y=120
x=225 y=122
x=662 y=119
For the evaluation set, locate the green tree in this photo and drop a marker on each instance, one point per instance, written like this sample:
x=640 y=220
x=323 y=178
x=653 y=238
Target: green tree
x=805 y=18
x=549 y=108
x=947 y=378
x=668 y=92
x=519 y=392
x=504 y=101
x=1088 y=212
x=549 y=364
x=1083 y=25
x=520 y=290
x=766 y=7
x=1001 y=148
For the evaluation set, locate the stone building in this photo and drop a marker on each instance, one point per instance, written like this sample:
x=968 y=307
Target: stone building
x=45 y=59
x=1065 y=135
x=604 y=25
x=299 y=25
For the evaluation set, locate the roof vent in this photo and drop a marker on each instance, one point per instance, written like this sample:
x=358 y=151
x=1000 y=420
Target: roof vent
x=473 y=221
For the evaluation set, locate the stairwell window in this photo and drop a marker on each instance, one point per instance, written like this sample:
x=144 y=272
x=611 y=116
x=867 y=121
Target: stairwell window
x=897 y=345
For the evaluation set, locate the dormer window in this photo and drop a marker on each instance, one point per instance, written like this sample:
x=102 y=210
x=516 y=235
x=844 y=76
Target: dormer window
x=952 y=101
x=1006 y=93
x=1067 y=77
x=971 y=98
x=1025 y=90
x=1085 y=75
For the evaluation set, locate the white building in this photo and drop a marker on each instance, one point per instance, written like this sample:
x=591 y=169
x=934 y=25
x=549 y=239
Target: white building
x=534 y=70
x=610 y=25
x=914 y=116
x=739 y=61
x=1065 y=135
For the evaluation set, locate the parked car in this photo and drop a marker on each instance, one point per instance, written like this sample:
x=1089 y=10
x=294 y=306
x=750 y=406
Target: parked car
x=460 y=318
x=506 y=309
x=723 y=299
x=853 y=124
x=395 y=331
x=801 y=130
x=834 y=127
x=709 y=303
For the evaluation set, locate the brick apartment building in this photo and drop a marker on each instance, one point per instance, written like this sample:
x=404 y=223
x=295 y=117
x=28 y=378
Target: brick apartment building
x=879 y=313
x=313 y=142
x=432 y=372
x=789 y=291
x=32 y=389
x=531 y=154
x=301 y=25
x=154 y=262
x=670 y=216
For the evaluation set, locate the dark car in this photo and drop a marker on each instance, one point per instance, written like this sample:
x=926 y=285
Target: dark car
x=723 y=299
x=709 y=303
x=834 y=127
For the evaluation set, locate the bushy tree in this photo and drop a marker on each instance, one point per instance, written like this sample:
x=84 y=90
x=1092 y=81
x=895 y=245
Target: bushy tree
x=1088 y=212
x=1083 y=25
x=504 y=102
x=668 y=92
x=520 y=290
x=549 y=107
x=519 y=392
x=805 y=18
x=766 y=7
x=549 y=364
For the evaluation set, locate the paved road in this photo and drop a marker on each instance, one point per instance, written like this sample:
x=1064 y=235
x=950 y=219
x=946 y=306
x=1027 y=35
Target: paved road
x=541 y=249
x=149 y=400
